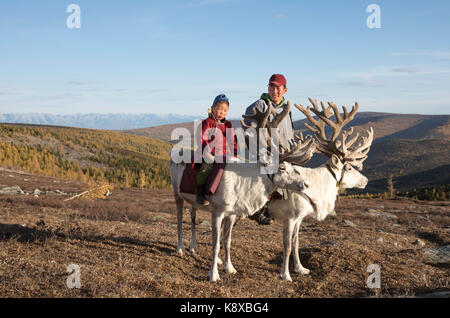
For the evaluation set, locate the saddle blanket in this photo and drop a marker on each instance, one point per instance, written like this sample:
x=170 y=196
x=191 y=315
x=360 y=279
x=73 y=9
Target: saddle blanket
x=188 y=180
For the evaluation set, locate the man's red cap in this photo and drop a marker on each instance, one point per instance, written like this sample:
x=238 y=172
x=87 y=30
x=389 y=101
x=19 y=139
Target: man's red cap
x=278 y=80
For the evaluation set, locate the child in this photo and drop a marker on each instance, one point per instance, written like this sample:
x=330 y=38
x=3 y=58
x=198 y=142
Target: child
x=216 y=121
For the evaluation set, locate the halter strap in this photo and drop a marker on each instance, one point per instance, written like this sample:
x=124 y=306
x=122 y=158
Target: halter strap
x=338 y=182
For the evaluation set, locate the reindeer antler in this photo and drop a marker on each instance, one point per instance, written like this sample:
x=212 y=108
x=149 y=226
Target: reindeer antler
x=326 y=146
x=260 y=117
x=332 y=146
x=262 y=120
x=356 y=156
x=301 y=152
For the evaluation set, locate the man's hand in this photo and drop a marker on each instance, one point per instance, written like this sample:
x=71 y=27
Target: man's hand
x=265 y=159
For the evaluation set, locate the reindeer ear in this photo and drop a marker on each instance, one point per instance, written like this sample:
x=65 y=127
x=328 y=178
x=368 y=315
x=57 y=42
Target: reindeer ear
x=285 y=166
x=335 y=161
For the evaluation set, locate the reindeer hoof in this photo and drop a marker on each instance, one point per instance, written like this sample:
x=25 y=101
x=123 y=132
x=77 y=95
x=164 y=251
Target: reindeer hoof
x=181 y=251
x=214 y=276
x=193 y=249
x=302 y=270
x=229 y=269
x=286 y=277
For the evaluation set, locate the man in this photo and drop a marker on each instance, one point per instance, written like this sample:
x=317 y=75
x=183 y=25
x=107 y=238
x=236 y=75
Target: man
x=276 y=89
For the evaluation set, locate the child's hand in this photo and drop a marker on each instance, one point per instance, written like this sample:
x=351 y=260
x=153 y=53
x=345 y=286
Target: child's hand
x=230 y=158
x=208 y=157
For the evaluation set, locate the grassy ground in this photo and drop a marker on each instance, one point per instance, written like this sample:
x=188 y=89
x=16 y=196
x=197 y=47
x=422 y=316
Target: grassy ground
x=125 y=247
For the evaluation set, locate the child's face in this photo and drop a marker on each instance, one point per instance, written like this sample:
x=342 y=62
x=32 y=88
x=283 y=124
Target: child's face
x=220 y=110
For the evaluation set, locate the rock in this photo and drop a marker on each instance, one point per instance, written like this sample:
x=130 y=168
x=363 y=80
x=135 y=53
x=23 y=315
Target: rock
x=396 y=225
x=157 y=218
x=331 y=243
x=205 y=223
x=419 y=242
x=439 y=254
x=11 y=190
x=389 y=216
x=36 y=192
x=373 y=212
x=380 y=240
x=349 y=223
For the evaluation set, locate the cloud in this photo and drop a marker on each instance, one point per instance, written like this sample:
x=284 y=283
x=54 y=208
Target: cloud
x=280 y=16
x=410 y=69
x=444 y=55
x=363 y=83
x=6 y=90
x=79 y=82
x=153 y=90
x=397 y=71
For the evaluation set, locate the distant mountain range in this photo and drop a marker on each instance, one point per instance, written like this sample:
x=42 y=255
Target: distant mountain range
x=397 y=126
x=415 y=149
x=112 y=121
x=386 y=126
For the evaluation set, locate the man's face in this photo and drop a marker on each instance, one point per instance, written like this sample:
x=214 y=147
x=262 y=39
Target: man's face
x=276 y=93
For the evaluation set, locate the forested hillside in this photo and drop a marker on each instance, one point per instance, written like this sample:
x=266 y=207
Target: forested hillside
x=86 y=155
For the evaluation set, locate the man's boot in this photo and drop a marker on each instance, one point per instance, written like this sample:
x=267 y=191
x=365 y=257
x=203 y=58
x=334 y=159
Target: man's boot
x=200 y=195
x=261 y=216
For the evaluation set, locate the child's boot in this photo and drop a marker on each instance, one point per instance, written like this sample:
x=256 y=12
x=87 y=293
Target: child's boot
x=200 y=195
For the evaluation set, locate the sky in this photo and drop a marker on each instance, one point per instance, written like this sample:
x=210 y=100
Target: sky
x=167 y=57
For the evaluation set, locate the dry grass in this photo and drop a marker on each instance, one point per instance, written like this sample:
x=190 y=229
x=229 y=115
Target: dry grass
x=125 y=246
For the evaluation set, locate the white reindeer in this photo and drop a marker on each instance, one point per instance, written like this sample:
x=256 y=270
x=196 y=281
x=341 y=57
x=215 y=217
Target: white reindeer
x=318 y=199
x=243 y=190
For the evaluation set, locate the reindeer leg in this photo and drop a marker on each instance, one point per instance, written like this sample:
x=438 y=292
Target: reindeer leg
x=217 y=218
x=193 y=248
x=298 y=267
x=288 y=228
x=228 y=227
x=180 y=247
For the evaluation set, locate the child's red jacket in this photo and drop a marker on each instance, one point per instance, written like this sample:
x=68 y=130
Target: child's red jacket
x=224 y=127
